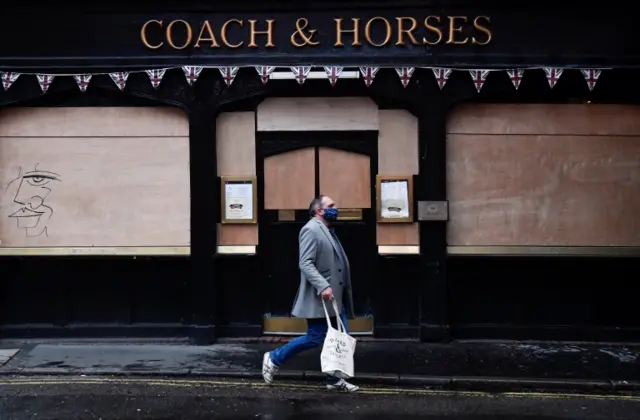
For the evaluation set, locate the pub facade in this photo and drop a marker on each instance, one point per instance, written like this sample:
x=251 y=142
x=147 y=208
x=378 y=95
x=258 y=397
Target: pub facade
x=157 y=162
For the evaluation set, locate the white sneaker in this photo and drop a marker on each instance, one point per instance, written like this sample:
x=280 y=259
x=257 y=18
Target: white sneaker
x=268 y=368
x=343 y=385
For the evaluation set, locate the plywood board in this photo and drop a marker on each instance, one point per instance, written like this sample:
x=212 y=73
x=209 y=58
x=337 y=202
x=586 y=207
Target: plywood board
x=93 y=121
x=398 y=234
x=345 y=177
x=94 y=191
x=543 y=190
x=237 y=234
x=236 y=143
x=317 y=114
x=545 y=119
x=289 y=180
x=397 y=142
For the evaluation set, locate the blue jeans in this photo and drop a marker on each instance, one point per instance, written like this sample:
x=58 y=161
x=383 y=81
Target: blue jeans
x=316 y=333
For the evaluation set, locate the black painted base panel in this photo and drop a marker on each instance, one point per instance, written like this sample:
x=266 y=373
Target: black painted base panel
x=434 y=333
x=95 y=331
x=239 y=330
x=202 y=335
x=207 y=334
x=396 y=331
x=543 y=298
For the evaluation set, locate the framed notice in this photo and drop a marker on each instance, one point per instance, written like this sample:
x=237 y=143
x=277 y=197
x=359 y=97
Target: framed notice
x=394 y=195
x=239 y=199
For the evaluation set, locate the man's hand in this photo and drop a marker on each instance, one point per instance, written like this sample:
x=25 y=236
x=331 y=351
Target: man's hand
x=327 y=294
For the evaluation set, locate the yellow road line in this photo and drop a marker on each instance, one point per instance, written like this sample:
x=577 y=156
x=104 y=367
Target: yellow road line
x=190 y=383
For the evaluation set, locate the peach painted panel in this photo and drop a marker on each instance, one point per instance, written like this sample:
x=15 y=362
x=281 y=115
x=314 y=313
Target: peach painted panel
x=237 y=234
x=289 y=180
x=544 y=190
x=539 y=119
x=93 y=122
x=236 y=143
x=345 y=177
x=397 y=142
x=94 y=191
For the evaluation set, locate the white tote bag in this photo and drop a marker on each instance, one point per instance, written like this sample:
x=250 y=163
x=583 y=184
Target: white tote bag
x=339 y=347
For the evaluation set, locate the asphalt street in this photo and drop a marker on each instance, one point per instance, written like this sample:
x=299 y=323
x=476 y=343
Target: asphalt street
x=85 y=398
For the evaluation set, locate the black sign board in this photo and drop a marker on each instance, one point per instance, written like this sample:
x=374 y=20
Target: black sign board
x=454 y=37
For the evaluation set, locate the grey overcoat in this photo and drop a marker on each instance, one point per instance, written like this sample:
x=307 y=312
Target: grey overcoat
x=320 y=268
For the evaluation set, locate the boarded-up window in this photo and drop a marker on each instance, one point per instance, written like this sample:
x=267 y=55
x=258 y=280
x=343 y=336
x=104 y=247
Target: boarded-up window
x=561 y=175
x=94 y=177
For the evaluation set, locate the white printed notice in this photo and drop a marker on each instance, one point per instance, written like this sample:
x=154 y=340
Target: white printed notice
x=238 y=200
x=394 y=199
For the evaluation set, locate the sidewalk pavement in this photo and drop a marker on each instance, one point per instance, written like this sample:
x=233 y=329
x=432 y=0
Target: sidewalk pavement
x=486 y=366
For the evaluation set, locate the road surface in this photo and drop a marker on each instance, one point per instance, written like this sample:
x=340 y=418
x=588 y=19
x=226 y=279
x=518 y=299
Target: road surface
x=88 y=398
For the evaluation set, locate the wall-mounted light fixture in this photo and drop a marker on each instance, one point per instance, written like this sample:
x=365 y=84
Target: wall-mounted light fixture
x=288 y=75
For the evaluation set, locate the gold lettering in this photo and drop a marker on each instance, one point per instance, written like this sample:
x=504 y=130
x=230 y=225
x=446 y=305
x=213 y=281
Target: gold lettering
x=460 y=30
x=409 y=32
x=387 y=26
x=170 y=35
x=355 y=31
x=223 y=33
x=253 y=32
x=483 y=29
x=305 y=38
x=143 y=35
x=434 y=29
x=206 y=26
x=453 y=29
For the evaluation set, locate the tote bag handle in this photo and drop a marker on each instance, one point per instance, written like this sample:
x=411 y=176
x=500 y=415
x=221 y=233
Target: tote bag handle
x=339 y=323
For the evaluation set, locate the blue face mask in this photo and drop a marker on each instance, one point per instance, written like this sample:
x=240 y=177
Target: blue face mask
x=330 y=214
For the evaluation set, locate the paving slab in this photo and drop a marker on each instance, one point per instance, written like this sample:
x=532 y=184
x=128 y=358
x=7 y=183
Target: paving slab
x=124 y=357
x=7 y=354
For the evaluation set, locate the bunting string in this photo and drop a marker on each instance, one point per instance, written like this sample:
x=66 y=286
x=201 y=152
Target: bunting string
x=300 y=74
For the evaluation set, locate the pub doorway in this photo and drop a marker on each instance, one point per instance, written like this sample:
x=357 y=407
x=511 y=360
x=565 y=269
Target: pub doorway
x=295 y=167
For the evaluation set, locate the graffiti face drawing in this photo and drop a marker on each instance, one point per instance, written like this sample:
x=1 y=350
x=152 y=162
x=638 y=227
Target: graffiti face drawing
x=33 y=189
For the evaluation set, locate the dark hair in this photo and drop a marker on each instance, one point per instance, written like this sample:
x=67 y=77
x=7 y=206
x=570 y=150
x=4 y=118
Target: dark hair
x=316 y=203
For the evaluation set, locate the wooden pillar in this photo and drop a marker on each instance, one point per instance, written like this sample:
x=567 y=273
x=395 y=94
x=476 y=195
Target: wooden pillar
x=203 y=169
x=433 y=234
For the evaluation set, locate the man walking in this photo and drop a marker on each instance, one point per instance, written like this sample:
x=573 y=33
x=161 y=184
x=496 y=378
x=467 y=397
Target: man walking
x=324 y=275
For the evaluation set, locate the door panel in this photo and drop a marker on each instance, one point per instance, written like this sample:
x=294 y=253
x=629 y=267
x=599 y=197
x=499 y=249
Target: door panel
x=281 y=262
x=359 y=243
x=345 y=176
